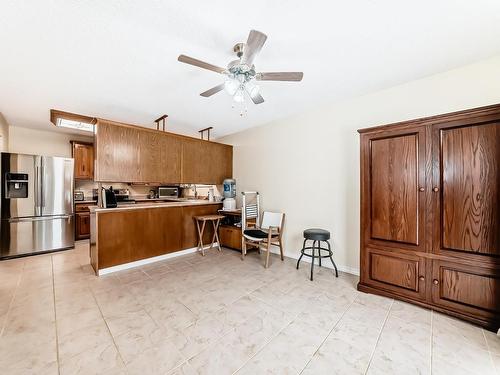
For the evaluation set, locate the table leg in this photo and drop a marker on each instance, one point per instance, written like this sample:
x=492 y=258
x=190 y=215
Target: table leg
x=200 y=236
x=216 y=234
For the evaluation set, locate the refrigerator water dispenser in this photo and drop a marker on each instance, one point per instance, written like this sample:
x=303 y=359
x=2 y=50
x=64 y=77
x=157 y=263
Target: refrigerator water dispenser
x=16 y=185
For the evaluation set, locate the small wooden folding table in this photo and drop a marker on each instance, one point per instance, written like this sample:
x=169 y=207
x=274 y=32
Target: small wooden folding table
x=215 y=219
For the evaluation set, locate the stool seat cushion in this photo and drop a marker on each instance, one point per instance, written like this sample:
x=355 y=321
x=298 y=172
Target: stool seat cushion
x=316 y=234
x=257 y=233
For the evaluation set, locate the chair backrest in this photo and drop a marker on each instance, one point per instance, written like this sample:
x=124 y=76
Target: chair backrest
x=272 y=219
x=250 y=208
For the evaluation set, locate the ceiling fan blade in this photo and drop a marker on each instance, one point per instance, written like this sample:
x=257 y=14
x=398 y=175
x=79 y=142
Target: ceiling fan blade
x=213 y=90
x=254 y=44
x=280 y=76
x=257 y=98
x=200 y=64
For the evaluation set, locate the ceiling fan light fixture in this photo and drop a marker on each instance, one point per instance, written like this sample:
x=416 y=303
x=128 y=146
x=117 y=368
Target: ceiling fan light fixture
x=252 y=88
x=231 y=85
x=239 y=96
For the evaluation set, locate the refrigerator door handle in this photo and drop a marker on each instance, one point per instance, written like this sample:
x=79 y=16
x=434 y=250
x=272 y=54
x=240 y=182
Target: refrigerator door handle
x=38 y=195
x=38 y=218
x=42 y=180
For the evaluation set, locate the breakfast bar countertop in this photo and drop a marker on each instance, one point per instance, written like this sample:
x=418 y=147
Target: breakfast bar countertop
x=143 y=205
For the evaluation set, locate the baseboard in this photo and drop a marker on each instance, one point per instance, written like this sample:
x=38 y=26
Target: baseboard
x=325 y=263
x=143 y=262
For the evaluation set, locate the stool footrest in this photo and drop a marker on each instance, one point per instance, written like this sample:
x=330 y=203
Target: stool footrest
x=330 y=253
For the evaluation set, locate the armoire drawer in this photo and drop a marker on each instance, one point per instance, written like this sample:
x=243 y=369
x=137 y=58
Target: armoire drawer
x=400 y=273
x=471 y=290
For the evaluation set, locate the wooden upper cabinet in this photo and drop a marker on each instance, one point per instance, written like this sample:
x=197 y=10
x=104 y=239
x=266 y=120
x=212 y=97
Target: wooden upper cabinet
x=83 y=153
x=394 y=188
x=206 y=162
x=171 y=159
x=127 y=153
x=118 y=153
x=467 y=189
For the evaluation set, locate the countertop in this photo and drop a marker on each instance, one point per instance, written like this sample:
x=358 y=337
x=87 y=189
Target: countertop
x=86 y=201
x=139 y=206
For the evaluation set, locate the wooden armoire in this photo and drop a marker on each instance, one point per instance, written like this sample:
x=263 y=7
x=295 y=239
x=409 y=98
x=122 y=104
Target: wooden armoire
x=430 y=213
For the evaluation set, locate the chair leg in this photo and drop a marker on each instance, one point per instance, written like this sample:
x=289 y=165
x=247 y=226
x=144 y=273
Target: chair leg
x=334 y=265
x=243 y=247
x=268 y=251
x=301 y=253
x=281 y=250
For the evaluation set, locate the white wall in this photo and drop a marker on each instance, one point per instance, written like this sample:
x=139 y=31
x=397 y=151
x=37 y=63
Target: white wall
x=4 y=134
x=40 y=142
x=308 y=165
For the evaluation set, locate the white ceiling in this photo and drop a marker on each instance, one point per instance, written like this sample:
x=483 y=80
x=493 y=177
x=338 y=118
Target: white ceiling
x=118 y=59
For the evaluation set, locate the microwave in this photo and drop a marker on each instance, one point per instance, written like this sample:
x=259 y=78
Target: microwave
x=168 y=192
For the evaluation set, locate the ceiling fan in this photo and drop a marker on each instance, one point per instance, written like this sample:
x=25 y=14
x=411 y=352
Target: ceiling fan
x=240 y=74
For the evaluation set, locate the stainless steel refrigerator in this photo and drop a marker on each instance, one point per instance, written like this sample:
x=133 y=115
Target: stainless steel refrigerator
x=36 y=204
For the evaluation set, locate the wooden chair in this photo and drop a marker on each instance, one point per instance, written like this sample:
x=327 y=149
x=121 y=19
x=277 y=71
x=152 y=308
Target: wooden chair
x=268 y=234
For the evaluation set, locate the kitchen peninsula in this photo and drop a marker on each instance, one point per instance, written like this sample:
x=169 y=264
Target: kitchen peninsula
x=130 y=235
x=140 y=233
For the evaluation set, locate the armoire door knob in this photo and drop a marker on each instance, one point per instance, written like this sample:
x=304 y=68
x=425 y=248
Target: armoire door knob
x=435 y=189
x=421 y=278
x=435 y=281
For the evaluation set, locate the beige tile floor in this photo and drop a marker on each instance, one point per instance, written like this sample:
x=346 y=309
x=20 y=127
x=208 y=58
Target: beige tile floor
x=219 y=315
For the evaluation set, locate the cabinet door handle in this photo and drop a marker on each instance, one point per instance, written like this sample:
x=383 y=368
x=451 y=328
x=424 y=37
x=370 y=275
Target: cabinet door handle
x=435 y=281
x=421 y=278
x=421 y=188
x=435 y=189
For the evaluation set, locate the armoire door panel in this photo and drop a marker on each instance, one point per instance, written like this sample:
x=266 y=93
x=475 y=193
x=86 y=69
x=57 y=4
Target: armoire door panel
x=470 y=189
x=394 y=271
x=469 y=289
x=403 y=274
x=395 y=167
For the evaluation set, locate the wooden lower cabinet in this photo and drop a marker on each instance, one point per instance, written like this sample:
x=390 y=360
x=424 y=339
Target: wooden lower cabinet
x=82 y=225
x=82 y=221
x=471 y=290
x=230 y=236
x=399 y=273
x=123 y=236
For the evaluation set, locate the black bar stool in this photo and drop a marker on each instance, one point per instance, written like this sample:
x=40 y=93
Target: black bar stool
x=317 y=236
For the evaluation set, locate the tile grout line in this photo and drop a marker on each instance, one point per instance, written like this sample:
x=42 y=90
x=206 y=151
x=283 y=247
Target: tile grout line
x=489 y=351
x=432 y=340
x=328 y=335
x=232 y=330
x=267 y=342
x=7 y=315
x=378 y=338
x=109 y=331
x=55 y=314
